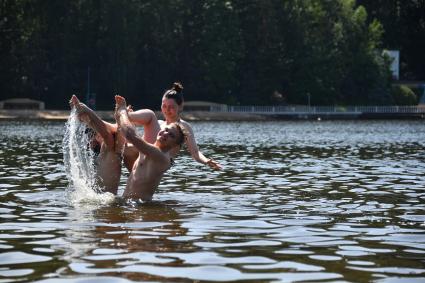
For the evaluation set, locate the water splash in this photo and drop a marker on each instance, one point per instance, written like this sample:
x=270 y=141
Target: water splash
x=79 y=162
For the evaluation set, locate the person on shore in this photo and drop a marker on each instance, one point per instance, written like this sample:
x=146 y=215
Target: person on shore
x=171 y=107
x=153 y=159
x=106 y=142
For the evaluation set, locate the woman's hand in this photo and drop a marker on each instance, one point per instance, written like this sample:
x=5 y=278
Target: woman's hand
x=213 y=164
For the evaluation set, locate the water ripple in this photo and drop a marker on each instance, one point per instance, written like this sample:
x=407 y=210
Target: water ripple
x=297 y=201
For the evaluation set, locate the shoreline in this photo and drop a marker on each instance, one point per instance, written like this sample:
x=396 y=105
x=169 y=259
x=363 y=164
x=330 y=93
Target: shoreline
x=62 y=115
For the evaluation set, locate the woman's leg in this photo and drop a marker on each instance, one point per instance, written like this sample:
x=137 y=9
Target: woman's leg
x=151 y=127
x=148 y=120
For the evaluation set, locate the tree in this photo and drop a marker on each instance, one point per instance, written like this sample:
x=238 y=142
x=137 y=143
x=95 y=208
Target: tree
x=235 y=51
x=404 y=26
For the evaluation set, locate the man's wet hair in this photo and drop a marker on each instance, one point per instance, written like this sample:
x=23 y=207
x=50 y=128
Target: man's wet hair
x=182 y=133
x=92 y=144
x=90 y=132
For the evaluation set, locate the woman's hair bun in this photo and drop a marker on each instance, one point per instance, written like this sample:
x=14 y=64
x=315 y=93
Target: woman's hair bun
x=175 y=93
x=177 y=86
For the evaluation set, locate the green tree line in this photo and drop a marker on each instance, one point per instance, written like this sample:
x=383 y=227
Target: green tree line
x=404 y=24
x=234 y=51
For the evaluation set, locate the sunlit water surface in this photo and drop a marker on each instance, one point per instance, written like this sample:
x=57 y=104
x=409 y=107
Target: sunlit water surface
x=297 y=201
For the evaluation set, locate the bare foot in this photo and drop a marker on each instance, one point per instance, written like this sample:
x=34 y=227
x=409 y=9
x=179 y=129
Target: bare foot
x=120 y=102
x=74 y=102
x=124 y=125
x=120 y=105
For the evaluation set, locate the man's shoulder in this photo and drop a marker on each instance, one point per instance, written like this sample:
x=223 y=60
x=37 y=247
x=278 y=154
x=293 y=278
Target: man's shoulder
x=159 y=156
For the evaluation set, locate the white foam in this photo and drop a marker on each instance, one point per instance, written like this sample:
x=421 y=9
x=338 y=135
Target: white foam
x=79 y=163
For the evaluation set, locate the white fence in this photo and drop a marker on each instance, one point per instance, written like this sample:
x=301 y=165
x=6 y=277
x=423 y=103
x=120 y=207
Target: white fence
x=320 y=109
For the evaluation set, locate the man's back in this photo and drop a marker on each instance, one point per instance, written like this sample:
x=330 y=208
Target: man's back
x=109 y=170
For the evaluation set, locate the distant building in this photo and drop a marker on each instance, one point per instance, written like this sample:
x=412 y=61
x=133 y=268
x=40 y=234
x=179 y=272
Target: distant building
x=21 y=104
x=203 y=106
x=394 y=55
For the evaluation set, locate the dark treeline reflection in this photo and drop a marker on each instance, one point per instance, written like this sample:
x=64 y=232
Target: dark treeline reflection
x=236 y=51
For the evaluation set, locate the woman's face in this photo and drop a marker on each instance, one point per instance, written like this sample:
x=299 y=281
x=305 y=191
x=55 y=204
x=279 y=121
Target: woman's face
x=170 y=109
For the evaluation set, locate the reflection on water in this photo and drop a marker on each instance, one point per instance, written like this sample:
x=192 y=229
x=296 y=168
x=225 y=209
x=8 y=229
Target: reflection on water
x=297 y=201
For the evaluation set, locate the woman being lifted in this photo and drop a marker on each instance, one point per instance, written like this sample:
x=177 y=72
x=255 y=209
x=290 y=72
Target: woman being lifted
x=171 y=107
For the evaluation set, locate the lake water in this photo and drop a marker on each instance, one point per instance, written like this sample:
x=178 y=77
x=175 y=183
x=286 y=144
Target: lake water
x=325 y=201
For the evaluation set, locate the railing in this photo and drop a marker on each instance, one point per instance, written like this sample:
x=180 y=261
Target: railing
x=319 y=109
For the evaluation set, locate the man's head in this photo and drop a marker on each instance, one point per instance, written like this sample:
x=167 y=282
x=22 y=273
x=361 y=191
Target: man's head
x=172 y=135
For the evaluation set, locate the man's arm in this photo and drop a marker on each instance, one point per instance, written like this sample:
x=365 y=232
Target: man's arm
x=129 y=131
x=139 y=143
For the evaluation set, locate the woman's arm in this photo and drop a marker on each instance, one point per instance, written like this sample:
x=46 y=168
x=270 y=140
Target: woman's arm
x=194 y=150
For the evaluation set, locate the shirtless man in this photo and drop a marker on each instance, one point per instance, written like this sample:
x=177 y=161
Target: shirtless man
x=108 y=162
x=153 y=160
